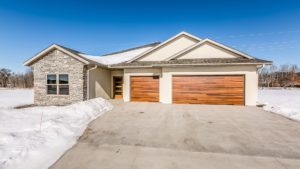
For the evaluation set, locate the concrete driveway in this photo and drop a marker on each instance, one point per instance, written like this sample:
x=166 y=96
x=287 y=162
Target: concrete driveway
x=153 y=135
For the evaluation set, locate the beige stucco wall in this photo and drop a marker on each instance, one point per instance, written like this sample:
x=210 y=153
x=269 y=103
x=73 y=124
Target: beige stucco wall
x=251 y=79
x=169 y=49
x=208 y=50
x=99 y=83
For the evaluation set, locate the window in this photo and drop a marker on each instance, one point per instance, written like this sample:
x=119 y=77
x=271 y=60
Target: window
x=51 y=84
x=58 y=84
x=63 y=84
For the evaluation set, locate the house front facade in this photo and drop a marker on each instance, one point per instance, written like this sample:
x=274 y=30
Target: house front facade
x=184 y=69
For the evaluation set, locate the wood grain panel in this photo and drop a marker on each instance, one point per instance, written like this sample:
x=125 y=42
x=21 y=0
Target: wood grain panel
x=209 y=89
x=144 y=88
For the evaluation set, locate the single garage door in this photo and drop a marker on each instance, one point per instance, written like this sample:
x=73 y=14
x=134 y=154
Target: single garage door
x=144 y=88
x=212 y=89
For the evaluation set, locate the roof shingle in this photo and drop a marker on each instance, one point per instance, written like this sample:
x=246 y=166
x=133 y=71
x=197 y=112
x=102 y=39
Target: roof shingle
x=211 y=61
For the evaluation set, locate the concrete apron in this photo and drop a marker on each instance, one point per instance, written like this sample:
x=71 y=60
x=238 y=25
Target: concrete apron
x=187 y=137
x=133 y=157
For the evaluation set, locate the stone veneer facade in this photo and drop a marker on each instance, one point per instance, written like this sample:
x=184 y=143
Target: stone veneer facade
x=57 y=62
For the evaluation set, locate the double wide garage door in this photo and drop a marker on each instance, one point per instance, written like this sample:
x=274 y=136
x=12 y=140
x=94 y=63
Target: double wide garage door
x=216 y=89
x=208 y=89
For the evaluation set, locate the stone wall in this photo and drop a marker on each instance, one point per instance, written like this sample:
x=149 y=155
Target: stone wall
x=57 y=62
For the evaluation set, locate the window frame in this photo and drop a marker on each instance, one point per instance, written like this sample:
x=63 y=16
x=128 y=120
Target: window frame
x=57 y=84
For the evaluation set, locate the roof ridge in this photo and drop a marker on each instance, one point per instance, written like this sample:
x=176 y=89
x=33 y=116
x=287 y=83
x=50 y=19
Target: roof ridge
x=70 y=50
x=134 y=48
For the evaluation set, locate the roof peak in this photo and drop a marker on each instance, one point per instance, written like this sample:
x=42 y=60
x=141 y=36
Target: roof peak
x=70 y=50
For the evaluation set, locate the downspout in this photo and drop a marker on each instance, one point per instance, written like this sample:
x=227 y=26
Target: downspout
x=88 y=80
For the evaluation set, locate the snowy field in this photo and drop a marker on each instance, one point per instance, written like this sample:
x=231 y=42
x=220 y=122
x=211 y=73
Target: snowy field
x=285 y=102
x=10 y=98
x=34 y=138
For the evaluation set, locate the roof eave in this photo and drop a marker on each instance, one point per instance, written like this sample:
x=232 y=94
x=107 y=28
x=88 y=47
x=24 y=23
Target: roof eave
x=199 y=64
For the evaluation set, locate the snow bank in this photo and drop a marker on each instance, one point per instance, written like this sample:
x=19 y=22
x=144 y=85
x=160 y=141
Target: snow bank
x=285 y=102
x=24 y=144
x=15 y=97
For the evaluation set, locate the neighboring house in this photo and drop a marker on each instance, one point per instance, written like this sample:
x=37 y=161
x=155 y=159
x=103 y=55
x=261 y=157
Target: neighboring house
x=182 y=69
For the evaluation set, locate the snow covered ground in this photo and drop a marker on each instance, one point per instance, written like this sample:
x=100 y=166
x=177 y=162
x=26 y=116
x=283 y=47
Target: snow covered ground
x=34 y=138
x=285 y=102
x=29 y=140
x=15 y=97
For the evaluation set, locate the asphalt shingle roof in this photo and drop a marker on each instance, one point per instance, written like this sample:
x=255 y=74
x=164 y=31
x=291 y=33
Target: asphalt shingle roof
x=210 y=61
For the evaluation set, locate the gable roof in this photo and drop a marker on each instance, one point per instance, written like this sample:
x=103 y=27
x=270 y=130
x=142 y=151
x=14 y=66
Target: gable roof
x=68 y=51
x=163 y=43
x=104 y=60
x=119 y=57
x=134 y=48
x=189 y=49
x=126 y=57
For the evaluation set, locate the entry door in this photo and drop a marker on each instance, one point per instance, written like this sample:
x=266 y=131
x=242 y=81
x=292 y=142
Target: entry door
x=118 y=87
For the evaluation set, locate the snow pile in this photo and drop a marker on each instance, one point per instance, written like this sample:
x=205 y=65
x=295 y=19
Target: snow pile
x=116 y=58
x=15 y=97
x=281 y=101
x=25 y=144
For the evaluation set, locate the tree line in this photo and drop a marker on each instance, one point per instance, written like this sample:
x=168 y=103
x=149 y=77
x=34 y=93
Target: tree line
x=16 y=80
x=279 y=76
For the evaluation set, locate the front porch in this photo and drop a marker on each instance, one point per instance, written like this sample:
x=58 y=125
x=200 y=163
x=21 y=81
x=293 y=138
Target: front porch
x=105 y=83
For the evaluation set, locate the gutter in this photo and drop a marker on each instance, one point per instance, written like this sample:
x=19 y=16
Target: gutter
x=178 y=65
x=88 y=80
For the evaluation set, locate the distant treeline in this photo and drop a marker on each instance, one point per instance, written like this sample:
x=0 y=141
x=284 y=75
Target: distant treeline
x=269 y=76
x=16 y=80
x=279 y=76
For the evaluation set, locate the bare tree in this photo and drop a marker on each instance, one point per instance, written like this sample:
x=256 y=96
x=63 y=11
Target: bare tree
x=4 y=77
x=16 y=80
x=285 y=76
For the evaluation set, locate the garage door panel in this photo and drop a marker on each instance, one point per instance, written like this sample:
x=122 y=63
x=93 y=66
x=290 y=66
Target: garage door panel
x=223 y=89
x=145 y=94
x=144 y=99
x=208 y=101
x=144 y=88
x=200 y=88
x=138 y=87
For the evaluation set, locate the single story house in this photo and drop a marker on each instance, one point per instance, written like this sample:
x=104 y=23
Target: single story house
x=183 y=69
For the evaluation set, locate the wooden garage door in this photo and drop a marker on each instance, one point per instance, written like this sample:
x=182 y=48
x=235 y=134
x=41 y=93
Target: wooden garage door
x=144 y=88
x=209 y=89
